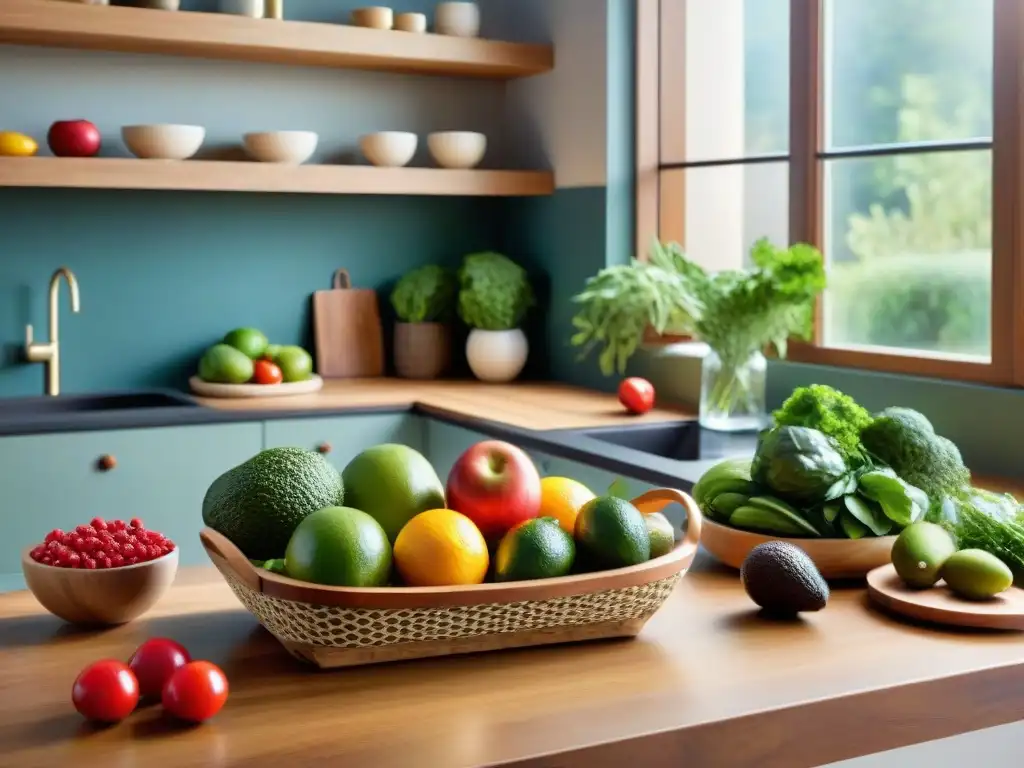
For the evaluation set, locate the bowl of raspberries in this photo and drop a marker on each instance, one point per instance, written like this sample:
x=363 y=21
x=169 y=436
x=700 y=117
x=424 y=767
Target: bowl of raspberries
x=104 y=572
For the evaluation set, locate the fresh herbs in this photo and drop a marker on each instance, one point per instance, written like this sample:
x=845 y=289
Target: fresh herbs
x=829 y=411
x=494 y=292
x=425 y=295
x=737 y=312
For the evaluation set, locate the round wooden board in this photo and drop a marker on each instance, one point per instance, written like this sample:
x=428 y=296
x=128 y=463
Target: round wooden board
x=209 y=389
x=940 y=606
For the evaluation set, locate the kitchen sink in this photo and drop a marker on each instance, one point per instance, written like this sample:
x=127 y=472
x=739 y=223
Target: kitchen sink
x=676 y=440
x=28 y=407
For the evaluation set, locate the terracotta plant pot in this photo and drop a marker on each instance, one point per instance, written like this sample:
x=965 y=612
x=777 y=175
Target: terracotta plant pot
x=422 y=350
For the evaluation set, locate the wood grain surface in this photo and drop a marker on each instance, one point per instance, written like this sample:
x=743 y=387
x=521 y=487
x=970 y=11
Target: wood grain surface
x=707 y=683
x=528 y=405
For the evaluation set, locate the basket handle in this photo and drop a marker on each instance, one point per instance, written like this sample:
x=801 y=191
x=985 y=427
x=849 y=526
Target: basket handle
x=218 y=545
x=657 y=499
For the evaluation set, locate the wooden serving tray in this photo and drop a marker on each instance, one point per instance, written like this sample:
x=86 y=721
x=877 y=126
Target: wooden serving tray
x=343 y=626
x=212 y=389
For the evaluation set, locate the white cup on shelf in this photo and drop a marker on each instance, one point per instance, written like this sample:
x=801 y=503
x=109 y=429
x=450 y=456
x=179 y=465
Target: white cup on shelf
x=461 y=19
x=254 y=9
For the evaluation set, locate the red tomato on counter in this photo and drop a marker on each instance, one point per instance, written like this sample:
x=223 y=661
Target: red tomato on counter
x=636 y=394
x=196 y=691
x=106 y=691
x=154 y=662
x=266 y=372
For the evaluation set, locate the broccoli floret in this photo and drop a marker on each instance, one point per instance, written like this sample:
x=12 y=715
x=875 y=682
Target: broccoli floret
x=830 y=411
x=906 y=441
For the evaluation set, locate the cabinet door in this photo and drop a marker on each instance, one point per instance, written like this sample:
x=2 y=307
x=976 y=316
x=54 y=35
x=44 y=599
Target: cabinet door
x=341 y=438
x=159 y=475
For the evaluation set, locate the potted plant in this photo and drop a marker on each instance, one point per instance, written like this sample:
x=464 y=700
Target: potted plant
x=494 y=295
x=738 y=313
x=423 y=300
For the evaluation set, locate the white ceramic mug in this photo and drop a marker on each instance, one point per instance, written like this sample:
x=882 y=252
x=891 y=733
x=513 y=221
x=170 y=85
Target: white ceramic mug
x=252 y=8
x=461 y=19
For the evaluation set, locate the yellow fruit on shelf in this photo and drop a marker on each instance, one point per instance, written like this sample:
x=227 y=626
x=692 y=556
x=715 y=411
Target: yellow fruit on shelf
x=561 y=498
x=17 y=144
x=441 y=547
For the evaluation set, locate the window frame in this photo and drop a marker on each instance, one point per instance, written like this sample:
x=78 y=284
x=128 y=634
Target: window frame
x=660 y=116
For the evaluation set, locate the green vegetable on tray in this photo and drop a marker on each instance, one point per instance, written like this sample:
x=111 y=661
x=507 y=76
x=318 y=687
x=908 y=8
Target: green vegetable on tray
x=801 y=465
x=829 y=411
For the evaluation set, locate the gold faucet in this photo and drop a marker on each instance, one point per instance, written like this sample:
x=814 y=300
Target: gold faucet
x=49 y=353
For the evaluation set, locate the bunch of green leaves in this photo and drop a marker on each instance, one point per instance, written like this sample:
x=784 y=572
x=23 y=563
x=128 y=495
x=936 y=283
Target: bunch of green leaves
x=992 y=522
x=494 y=293
x=830 y=411
x=425 y=295
x=737 y=312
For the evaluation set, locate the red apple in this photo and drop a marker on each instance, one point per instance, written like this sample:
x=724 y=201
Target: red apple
x=73 y=138
x=496 y=486
x=636 y=394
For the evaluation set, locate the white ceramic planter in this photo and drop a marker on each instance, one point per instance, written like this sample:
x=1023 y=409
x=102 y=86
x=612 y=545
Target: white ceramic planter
x=496 y=356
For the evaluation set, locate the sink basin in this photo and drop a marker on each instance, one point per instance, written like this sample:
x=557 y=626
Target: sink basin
x=28 y=407
x=676 y=440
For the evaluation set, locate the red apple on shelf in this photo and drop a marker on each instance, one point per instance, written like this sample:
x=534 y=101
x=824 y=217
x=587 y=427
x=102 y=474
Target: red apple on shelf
x=73 y=138
x=636 y=394
x=496 y=485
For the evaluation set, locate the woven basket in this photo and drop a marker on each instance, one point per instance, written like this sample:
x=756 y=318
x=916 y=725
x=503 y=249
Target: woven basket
x=342 y=626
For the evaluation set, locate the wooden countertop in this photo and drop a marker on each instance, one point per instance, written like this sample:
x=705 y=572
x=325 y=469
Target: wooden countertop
x=707 y=682
x=526 y=405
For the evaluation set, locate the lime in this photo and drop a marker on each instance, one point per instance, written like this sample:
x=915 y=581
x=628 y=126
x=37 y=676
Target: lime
x=341 y=547
x=534 y=549
x=271 y=352
x=224 y=364
x=611 y=533
x=248 y=341
x=392 y=483
x=295 y=363
x=661 y=533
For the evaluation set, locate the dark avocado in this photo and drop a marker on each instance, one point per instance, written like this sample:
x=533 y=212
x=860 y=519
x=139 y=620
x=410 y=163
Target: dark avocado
x=783 y=580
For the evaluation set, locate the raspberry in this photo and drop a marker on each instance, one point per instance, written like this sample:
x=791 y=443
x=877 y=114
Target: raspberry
x=121 y=536
x=55 y=535
x=154 y=551
x=88 y=563
x=136 y=523
x=46 y=560
x=84 y=530
x=98 y=524
x=117 y=561
x=99 y=554
x=75 y=560
x=128 y=550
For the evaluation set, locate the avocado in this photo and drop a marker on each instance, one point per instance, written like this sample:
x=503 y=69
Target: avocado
x=975 y=574
x=259 y=503
x=919 y=553
x=783 y=580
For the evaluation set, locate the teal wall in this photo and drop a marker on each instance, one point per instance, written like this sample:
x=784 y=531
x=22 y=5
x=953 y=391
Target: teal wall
x=164 y=274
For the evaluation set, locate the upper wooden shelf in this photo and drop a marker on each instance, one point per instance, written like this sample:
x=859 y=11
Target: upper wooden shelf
x=226 y=36
x=223 y=176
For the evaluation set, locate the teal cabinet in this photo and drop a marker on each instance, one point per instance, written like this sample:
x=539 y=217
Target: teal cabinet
x=341 y=438
x=159 y=475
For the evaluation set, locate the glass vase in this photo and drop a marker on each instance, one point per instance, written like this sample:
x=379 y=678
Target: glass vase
x=732 y=397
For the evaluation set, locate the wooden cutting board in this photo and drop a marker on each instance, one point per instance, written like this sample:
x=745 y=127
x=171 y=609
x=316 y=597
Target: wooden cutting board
x=349 y=337
x=940 y=606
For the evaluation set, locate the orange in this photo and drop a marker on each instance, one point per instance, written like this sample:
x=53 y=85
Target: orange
x=441 y=547
x=561 y=498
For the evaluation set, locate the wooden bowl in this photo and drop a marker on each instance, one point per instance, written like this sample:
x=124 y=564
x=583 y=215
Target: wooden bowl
x=374 y=17
x=348 y=626
x=102 y=597
x=835 y=558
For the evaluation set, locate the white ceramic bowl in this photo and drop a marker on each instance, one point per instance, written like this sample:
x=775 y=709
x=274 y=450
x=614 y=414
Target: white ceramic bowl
x=458 y=19
x=163 y=142
x=292 y=147
x=390 y=149
x=106 y=596
x=457 y=149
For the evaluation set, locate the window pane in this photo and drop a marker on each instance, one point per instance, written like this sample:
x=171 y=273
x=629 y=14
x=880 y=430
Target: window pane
x=737 y=78
x=717 y=213
x=911 y=266
x=907 y=70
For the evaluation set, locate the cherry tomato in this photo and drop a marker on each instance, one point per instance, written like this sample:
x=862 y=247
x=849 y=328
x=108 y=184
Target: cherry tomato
x=196 y=691
x=636 y=394
x=266 y=372
x=106 y=691
x=154 y=662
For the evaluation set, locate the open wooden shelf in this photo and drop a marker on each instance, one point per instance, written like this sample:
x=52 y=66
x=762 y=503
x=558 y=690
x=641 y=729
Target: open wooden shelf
x=225 y=36
x=222 y=176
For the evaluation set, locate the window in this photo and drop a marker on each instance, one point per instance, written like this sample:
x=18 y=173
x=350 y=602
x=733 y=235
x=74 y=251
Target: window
x=886 y=132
